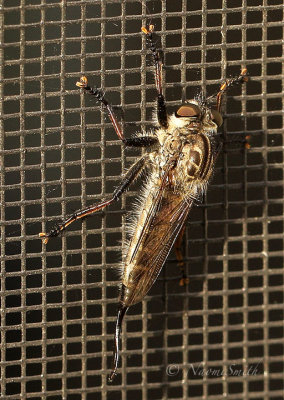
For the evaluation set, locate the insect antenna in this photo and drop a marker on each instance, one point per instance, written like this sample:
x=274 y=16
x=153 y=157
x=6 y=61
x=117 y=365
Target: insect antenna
x=120 y=315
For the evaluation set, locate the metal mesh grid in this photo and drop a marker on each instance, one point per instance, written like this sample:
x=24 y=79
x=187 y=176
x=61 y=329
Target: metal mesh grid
x=58 y=303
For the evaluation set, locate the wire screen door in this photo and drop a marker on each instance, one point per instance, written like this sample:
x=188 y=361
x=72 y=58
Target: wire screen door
x=222 y=335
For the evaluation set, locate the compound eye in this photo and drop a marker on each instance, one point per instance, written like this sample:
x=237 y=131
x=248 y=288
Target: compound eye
x=188 y=110
x=217 y=117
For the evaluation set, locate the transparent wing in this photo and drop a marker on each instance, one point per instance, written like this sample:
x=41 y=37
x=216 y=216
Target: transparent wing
x=164 y=220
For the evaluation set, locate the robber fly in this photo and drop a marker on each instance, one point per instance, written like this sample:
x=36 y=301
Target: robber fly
x=182 y=152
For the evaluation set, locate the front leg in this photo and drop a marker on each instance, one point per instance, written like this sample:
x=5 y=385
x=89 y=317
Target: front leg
x=161 y=105
x=237 y=80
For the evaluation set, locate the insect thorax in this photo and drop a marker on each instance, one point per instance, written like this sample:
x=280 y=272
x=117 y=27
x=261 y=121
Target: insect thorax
x=193 y=152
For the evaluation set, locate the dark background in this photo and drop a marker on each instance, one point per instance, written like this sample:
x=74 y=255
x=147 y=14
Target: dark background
x=59 y=153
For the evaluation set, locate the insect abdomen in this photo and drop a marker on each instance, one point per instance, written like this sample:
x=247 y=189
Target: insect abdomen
x=157 y=229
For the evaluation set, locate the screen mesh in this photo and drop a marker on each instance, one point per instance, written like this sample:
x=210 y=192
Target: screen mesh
x=222 y=335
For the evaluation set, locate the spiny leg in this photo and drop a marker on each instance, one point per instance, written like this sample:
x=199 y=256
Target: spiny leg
x=178 y=250
x=83 y=83
x=161 y=105
x=129 y=177
x=239 y=140
x=141 y=141
x=121 y=312
x=237 y=80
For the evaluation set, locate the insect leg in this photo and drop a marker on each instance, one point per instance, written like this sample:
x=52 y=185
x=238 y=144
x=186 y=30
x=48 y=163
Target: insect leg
x=129 y=177
x=161 y=105
x=121 y=312
x=83 y=83
x=178 y=250
x=141 y=141
x=228 y=83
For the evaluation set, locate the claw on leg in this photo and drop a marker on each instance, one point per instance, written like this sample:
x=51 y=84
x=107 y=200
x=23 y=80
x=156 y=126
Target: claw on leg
x=184 y=281
x=147 y=31
x=228 y=83
x=44 y=237
x=53 y=233
x=244 y=72
x=83 y=82
x=247 y=144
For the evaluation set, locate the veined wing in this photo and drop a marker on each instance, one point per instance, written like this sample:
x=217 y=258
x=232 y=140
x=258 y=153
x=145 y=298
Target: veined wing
x=149 y=249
